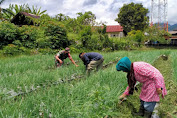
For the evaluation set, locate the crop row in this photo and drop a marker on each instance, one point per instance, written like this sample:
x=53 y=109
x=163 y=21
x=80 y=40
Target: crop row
x=6 y=94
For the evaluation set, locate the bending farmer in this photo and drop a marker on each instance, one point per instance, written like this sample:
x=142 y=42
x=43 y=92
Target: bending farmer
x=60 y=56
x=152 y=84
x=91 y=60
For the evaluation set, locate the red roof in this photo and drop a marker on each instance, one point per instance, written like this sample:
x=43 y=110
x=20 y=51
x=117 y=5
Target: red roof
x=114 y=28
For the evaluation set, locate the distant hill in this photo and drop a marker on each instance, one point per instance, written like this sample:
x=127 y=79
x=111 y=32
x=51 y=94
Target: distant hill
x=172 y=27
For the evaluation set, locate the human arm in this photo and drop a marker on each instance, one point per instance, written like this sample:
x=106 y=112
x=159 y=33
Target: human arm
x=86 y=60
x=58 y=59
x=73 y=61
x=126 y=93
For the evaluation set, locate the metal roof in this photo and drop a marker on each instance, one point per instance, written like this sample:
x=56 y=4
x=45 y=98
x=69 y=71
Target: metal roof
x=114 y=28
x=172 y=32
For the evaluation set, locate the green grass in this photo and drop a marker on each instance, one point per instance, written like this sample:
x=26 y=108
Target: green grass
x=94 y=96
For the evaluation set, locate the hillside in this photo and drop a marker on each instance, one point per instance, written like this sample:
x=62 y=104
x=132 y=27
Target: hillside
x=172 y=27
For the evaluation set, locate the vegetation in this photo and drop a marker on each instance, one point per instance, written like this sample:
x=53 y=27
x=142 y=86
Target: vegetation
x=94 y=96
x=80 y=34
x=15 y=9
x=133 y=17
x=31 y=86
x=4 y=11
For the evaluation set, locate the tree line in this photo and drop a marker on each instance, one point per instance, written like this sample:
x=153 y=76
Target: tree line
x=80 y=33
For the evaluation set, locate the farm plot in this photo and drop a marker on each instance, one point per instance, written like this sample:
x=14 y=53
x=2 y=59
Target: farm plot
x=94 y=96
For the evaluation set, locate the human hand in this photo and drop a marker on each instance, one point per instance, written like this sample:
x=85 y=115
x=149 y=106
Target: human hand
x=60 y=61
x=159 y=91
x=76 y=65
x=122 y=96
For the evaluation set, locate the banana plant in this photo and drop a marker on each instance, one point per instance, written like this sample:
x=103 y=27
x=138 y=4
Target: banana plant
x=4 y=11
x=36 y=11
x=15 y=9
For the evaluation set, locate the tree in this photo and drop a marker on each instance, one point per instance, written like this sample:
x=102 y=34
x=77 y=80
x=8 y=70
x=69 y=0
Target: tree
x=88 y=18
x=155 y=34
x=133 y=17
x=61 y=17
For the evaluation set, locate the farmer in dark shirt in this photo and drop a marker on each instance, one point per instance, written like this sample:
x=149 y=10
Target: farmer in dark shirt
x=60 y=56
x=92 y=60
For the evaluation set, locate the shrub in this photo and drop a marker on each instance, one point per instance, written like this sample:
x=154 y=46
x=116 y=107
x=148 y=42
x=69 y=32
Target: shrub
x=94 y=43
x=120 y=44
x=85 y=35
x=56 y=34
x=29 y=35
x=43 y=42
x=8 y=33
x=107 y=49
x=137 y=36
x=46 y=51
x=10 y=49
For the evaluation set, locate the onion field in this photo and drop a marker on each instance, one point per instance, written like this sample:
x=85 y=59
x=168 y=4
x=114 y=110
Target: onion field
x=31 y=87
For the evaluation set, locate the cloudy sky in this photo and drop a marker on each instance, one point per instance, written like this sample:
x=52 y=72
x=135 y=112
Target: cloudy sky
x=105 y=10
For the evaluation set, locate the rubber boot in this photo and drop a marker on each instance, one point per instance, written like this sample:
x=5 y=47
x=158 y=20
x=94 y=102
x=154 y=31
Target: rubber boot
x=140 y=112
x=147 y=114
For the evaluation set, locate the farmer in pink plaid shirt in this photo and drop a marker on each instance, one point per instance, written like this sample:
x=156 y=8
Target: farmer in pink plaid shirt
x=152 y=84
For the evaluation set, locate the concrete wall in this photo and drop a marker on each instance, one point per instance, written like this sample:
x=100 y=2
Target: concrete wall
x=115 y=34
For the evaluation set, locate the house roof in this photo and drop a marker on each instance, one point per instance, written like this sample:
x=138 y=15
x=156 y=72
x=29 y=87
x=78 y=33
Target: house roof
x=28 y=14
x=114 y=28
x=19 y=19
x=172 y=32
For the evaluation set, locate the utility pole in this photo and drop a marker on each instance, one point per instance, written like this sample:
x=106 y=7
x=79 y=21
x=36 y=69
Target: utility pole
x=159 y=11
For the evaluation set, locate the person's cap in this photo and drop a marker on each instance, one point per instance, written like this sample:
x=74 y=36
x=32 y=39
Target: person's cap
x=67 y=49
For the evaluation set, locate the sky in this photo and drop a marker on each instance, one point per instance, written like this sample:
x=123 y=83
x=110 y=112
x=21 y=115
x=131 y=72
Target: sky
x=105 y=10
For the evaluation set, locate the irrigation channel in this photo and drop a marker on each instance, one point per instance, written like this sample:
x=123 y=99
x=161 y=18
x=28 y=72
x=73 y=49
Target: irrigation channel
x=12 y=94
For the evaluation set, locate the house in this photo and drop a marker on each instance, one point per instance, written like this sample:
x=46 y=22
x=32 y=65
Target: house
x=115 y=31
x=173 y=37
x=23 y=18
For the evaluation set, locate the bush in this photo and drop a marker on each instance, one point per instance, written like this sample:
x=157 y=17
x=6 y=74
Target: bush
x=85 y=35
x=120 y=44
x=46 y=51
x=8 y=33
x=10 y=50
x=56 y=33
x=137 y=36
x=29 y=36
x=107 y=49
x=43 y=42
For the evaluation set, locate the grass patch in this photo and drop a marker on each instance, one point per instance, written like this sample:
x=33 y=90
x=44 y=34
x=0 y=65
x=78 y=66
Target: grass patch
x=95 y=96
x=168 y=105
